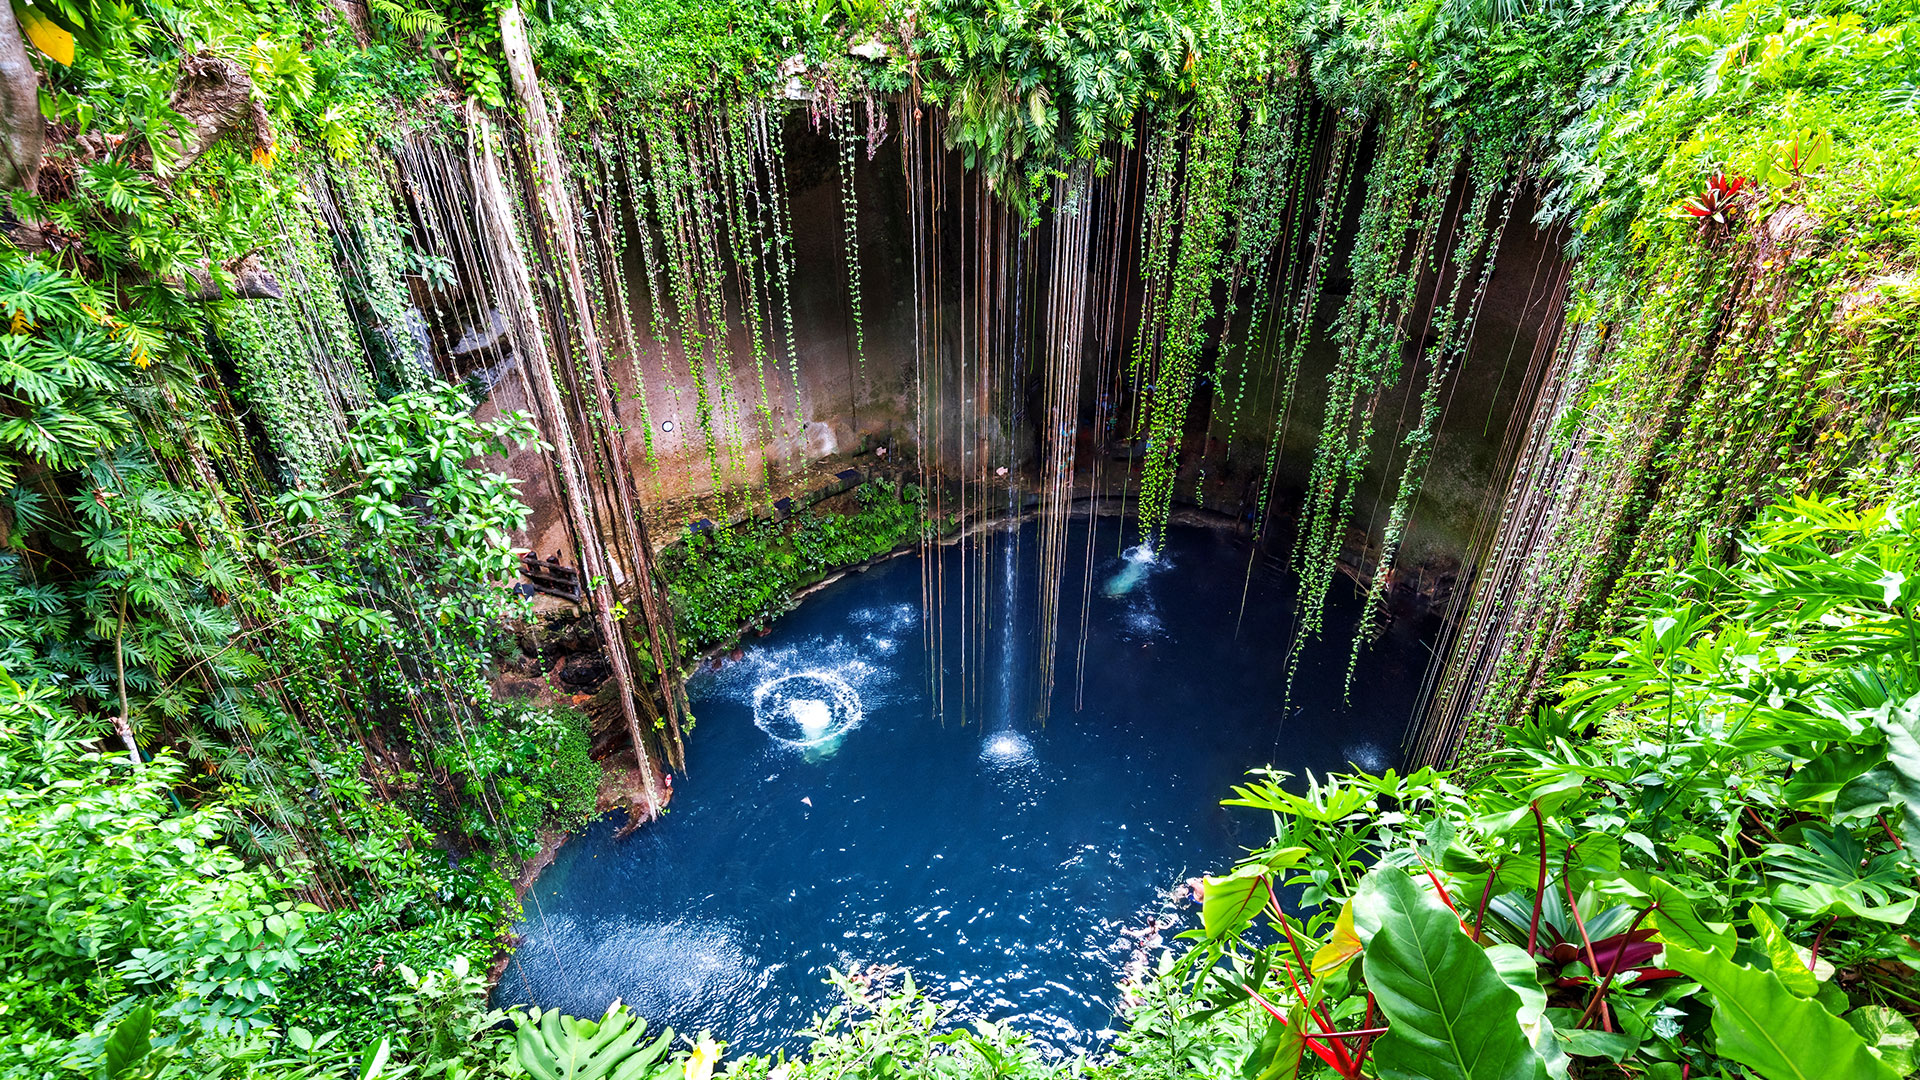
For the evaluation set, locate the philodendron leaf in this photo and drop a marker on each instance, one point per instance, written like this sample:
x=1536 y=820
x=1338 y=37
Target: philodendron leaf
x=1343 y=946
x=1279 y=1053
x=1761 y=1024
x=1234 y=900
x=1830 y=872
x=1451 y=1016
x=1673 y=917
x=1787 y=959
x=1889 y=1035
x=1522 y=973
x=550 y=1046
x=1902 y=728
x=1818 y=781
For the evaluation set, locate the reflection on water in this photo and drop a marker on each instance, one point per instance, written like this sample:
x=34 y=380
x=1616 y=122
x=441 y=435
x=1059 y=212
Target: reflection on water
x=830 y=817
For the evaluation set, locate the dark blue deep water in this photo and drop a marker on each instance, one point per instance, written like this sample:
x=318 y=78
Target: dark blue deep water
x=998 y=859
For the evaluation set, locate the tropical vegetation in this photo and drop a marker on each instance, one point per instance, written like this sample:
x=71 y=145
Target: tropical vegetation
x=263 y=809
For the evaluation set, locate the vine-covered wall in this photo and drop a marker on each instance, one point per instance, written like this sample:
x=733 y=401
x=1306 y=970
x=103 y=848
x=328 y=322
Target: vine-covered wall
x=1313 y=280
x=1748 y=341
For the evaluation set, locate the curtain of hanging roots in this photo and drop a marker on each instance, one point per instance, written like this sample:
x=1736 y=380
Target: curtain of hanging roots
x=1064 y=341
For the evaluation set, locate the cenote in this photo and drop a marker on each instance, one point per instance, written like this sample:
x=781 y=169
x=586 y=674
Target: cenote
x=830 y=817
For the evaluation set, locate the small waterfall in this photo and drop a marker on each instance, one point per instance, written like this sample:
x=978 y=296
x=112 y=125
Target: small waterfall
x=1009 y=617
x=1003 y=744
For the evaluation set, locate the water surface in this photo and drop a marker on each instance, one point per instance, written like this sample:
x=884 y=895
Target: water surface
x=830 y=816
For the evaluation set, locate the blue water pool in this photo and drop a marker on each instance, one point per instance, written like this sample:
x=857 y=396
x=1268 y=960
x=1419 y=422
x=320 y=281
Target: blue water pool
x=830 y=816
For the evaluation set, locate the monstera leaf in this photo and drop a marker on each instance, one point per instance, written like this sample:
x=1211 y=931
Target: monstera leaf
x=555 y=1047
x=1761 y=1024
x=1452 y=1016
x=1832 y=875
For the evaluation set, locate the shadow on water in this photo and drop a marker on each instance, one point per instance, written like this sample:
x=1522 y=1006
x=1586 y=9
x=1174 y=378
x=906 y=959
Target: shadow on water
x=829 y=817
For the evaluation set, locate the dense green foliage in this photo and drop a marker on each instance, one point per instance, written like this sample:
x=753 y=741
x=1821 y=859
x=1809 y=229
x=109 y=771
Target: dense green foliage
x=1700 y=855
x=1740 y=322
x=258 y=806
x=725 y=581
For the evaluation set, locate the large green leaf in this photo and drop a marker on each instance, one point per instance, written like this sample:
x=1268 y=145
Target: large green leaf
x=1820 y=780
x=1234 y=901
x=1279 y=1052
x=1787 y=960
x=1451 y=1016
x=1761 y=1024
x=1674 y=918
x=550 y=1046
x=1522 y=972
x=1830 y=872
x=1902 y=729
x=130 y=1042
x=1888 y=1034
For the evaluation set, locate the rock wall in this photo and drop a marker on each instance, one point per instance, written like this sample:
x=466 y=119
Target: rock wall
x=826 y=405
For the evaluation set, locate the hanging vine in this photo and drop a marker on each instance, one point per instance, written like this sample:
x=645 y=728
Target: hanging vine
x=1469 y=264
x=1172 y=338
x=1406 y=189
x=847 y=139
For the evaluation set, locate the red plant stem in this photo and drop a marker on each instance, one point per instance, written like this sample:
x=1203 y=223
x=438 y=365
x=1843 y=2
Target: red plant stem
x=1813 y=954
x=1325 y=1025
x=1898 y=846
x=1888 y=829
x=1593 y=962
x=1332 y=1053
x=1299 y=957
x=1354 y=1034
x=1486 y=894
x=1771 y=835
x=1441 y=890
x=1366 y=1044
x=1612 y=969
x=1540 y=886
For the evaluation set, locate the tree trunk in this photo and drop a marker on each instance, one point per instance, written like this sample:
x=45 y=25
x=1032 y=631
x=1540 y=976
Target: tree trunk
x=23 y=132
x=497 y=224
x=557 y=212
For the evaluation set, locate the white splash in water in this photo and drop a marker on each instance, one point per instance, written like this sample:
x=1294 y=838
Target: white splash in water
x=1006 y=749
x=1371 y=757
x=807 y=708
x=814 y=717
x=893 y=618
x=858 y=663
x=1141 y=561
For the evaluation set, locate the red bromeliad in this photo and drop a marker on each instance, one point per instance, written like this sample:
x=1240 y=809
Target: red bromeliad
x=1716 y=201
